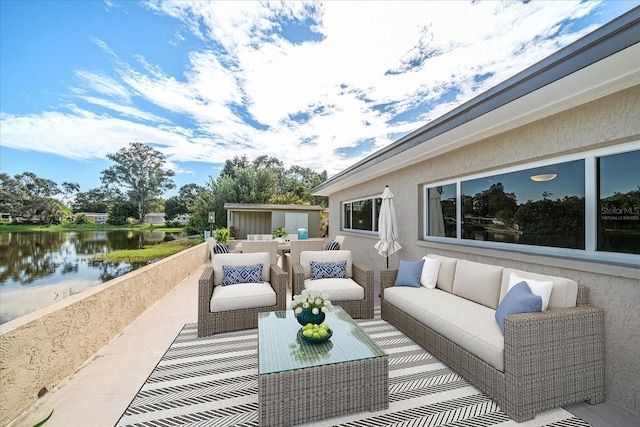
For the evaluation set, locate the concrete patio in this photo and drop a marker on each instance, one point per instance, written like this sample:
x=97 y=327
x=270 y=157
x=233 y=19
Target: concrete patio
x=100 y=391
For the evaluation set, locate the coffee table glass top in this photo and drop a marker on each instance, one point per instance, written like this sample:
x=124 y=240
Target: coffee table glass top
x=280 y=349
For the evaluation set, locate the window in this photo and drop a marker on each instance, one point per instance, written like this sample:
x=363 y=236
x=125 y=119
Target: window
x=619 y=203
x=361 y=215
x=588 y=203
x=542 y=206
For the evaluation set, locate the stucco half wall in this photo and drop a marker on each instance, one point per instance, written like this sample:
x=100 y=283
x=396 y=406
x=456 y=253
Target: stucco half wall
x=605 y=122
x=39 y=350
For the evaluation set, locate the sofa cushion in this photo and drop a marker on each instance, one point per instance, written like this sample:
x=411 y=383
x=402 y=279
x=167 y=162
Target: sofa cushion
x=471 y=326
x=337 y=289
x=542 y=288
x=324 y=256
x=241 y=296
x=219 y=260
x=478 y=282
x=446 y=272
x=518 y=300
x=241 y=274
x=409 y=273
x=328 y=270
x=563 y=295
x=429 y=275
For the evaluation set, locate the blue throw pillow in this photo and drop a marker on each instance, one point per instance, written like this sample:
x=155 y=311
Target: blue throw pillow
x=519 y=299
x=241 y=274
x=409 y=273
x=328 y=270
x=333 y=246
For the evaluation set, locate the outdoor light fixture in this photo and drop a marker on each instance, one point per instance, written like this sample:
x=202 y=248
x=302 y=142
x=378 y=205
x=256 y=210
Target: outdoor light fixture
x=544 y=177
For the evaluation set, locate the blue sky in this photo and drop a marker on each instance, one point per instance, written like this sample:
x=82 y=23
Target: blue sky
x=315 y=84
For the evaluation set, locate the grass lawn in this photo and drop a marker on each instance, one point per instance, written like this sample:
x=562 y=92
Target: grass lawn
x=150 y=253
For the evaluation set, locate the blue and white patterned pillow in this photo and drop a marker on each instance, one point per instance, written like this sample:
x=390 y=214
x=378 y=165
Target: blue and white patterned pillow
x=241 y=274
x=219 y=248
x=328 y=270
x=333 y=246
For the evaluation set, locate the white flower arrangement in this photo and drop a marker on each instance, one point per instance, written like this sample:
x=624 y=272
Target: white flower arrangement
x=315 y=300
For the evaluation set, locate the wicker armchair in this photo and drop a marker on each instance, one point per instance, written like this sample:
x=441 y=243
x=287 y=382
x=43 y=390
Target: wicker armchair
x=212 y=322
x=361 y=275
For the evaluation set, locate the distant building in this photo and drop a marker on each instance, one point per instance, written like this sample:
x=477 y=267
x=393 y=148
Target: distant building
x=154 y=218
x=96 y=218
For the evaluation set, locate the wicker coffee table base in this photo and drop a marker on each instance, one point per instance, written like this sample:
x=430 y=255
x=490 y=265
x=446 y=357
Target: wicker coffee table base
x=325 y=391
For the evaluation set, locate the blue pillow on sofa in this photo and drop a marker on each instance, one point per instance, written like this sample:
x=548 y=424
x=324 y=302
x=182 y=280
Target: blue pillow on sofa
x=519 y=299
x=329 y=270
x=409 y=273
x=241 y=274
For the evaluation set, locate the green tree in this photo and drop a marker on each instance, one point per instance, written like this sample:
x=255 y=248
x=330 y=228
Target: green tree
x=119 y=212
x=183 y=202
x=95 y=200
x=140 y=170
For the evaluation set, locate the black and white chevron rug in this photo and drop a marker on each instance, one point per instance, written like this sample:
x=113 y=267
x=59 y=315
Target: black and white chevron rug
x=213 y=381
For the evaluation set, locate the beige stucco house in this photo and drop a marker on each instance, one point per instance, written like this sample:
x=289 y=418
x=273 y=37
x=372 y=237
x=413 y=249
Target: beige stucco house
x=565 y=134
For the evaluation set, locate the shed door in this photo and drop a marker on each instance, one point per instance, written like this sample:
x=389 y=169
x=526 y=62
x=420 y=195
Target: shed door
x=293 y=221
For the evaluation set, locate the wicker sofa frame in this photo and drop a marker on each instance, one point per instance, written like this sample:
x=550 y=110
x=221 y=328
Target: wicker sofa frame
x=551 y=358
x=362 y=275
x=210 y=323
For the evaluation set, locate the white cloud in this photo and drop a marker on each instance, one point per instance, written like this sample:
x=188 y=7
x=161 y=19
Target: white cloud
x=404 y=54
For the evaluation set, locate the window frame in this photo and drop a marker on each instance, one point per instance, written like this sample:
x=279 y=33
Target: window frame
x=590 y=252
x=374 y=213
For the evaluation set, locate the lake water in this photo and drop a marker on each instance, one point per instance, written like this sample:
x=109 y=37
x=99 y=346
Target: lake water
x=38 y=269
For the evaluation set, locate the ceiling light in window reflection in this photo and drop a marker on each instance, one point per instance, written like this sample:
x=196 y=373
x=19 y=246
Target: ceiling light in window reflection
x=544 y=177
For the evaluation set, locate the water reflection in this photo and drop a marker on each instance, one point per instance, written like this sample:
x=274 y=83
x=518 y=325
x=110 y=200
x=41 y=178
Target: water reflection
x=37 y=269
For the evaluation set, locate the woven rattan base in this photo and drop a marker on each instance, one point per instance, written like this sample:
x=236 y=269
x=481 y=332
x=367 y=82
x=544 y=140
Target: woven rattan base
x=310 y=394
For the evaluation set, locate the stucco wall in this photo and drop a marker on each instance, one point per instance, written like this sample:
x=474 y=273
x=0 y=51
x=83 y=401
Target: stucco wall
x=39 y=350
x=605 y=122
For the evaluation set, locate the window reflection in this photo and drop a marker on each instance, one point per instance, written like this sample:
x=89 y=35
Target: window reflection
x=441 y=211
x=542 y=206
x=619 y=203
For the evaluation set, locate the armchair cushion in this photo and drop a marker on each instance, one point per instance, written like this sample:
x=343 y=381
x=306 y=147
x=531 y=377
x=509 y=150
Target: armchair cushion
x=337 y=289
x=242 y=274
x=328 y=270
x=234 y=260
x=242 y=296
x=325 y=256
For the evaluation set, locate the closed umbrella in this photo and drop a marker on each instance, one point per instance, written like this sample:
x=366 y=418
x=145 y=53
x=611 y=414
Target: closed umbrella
x=387 y=227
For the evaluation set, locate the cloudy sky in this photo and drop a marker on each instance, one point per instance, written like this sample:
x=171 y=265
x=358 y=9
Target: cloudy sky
x=315 y=84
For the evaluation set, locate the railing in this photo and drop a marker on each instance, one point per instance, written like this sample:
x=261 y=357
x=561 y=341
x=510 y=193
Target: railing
x=39 y=350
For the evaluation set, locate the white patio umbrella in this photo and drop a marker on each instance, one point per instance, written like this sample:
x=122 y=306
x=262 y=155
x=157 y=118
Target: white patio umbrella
x=387 y=227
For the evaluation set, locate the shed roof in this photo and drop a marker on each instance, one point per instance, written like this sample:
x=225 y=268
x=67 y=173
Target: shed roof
x=603 y=62
x=268 y=207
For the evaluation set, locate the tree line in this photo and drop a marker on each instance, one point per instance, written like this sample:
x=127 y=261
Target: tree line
x=133 y=186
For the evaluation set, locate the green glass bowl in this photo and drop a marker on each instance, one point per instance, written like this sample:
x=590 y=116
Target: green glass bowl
x=315 y=340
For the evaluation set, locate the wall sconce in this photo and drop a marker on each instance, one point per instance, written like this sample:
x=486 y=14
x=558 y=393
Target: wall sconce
x=544 y=177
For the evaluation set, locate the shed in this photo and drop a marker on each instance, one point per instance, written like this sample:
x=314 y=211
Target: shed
x=248 y=218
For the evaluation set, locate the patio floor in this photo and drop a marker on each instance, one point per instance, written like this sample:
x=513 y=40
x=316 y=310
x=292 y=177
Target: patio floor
x=100 y=391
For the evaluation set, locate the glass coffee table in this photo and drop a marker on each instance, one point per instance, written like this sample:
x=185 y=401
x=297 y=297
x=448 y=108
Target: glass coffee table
x=300 y=382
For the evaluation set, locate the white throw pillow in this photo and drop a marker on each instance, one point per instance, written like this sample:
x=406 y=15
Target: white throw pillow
x=430 y=269
x=541 y=288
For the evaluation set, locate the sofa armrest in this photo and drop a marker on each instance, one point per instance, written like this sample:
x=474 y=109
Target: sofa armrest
x=363 y=276
x=387 y=280
x=556 y=348
x=279 y=284
x=205 y=291
x=297 y=281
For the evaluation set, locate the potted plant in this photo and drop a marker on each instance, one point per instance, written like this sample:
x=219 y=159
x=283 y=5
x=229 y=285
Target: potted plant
x=221 y=235
x=280 y=234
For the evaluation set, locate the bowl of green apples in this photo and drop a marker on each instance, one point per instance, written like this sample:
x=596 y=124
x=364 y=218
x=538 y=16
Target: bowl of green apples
x=315 y=333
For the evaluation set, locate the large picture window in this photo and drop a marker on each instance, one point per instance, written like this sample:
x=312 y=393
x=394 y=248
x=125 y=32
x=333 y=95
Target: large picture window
x=540 y=206
x=619 y=203
x=361 y=215
x=588 y=203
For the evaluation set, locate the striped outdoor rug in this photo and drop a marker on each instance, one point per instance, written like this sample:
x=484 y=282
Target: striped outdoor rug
x=213 y=382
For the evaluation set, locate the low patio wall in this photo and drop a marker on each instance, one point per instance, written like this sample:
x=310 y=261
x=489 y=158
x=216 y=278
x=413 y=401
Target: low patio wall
x=39 y=350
